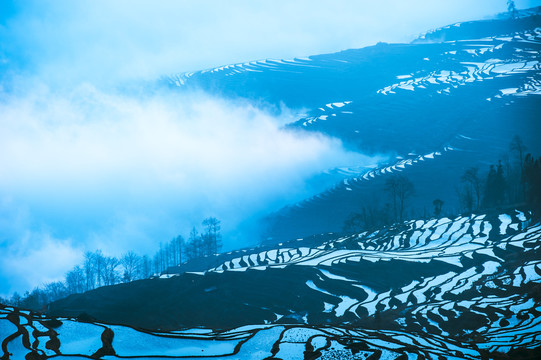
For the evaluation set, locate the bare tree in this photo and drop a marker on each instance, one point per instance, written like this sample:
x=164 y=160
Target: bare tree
x=532 y=179
x=75 y=280
x=193 y=247
x=211 y=237
x=146 y=267
x=131 y=262
x=372 y=215
x=438 y=204
x=161 y=258
x=54 y=291
x=89 y=271
x=519 y=149
x=400 y=188
x=511 y=9
x=178 y=249
x=156 y=265
x=16 y=299
x=168 y=255
x=474 y=185
x=495 y=187
x=517 y=146
x=99 y=265
x=109 y=273
x=35 y=300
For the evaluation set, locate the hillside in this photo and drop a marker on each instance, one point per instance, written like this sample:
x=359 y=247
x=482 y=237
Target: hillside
x=455 y=287
x=451 y=100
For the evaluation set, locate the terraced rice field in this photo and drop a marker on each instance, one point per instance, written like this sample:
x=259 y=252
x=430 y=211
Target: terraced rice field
x=442 y=288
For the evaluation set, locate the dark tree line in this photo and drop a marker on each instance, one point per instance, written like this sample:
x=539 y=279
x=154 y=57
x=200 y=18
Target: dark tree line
x=514 y=181
x=373 y=215
x=169 y=254
x=400 y=189
x=177 y=251
x=99 y=270
x=96 y=270
x=438 y=205
x=532 y=182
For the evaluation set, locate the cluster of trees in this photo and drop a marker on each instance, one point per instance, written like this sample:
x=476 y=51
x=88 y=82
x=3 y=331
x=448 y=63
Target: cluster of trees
x=400 y=189
x=512 y=9
x=372 y=215
x=514 y=181
x=177 y=251
x=99 y=270
x=96 y=270
x=532 y=181
x=475 y=196
x=169 y=254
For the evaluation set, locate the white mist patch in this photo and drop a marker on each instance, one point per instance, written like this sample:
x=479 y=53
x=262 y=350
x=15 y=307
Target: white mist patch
x=90 y=144
x=125 y=172
x=35 y=259
x=110 y=41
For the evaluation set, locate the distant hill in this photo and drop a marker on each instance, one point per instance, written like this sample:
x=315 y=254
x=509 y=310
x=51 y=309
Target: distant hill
x=450 y=100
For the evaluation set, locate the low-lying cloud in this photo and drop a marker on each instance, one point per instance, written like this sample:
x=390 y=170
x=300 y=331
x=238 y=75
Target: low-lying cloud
x=103 y=169
x=84 y=168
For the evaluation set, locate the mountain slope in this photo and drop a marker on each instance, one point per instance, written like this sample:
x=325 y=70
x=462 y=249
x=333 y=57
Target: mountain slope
x=458 y=288
x=462 y=91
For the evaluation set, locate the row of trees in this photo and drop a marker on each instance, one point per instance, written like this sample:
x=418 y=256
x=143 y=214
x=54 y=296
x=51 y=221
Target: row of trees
x=514 y=181
x=373 y=215
x=177 y=251
x=532 y=183
x=96 y=270
x=99 y=269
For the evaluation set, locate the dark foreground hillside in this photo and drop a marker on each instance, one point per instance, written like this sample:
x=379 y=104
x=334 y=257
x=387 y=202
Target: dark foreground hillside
x=458 y=288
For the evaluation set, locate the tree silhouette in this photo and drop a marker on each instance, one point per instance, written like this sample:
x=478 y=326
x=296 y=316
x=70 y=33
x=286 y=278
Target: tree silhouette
x=131 y=263
x=400 y=189
x=211 y=238
x=89 y=270
x=193 y=247
x=75 y=280
x=353 y=223
x=499 y=184
x=511 y=9
x=532 y=180
x=438 y=204
x=517 y=146
x=473 y=182
x=177 y=248
x=495 y=187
